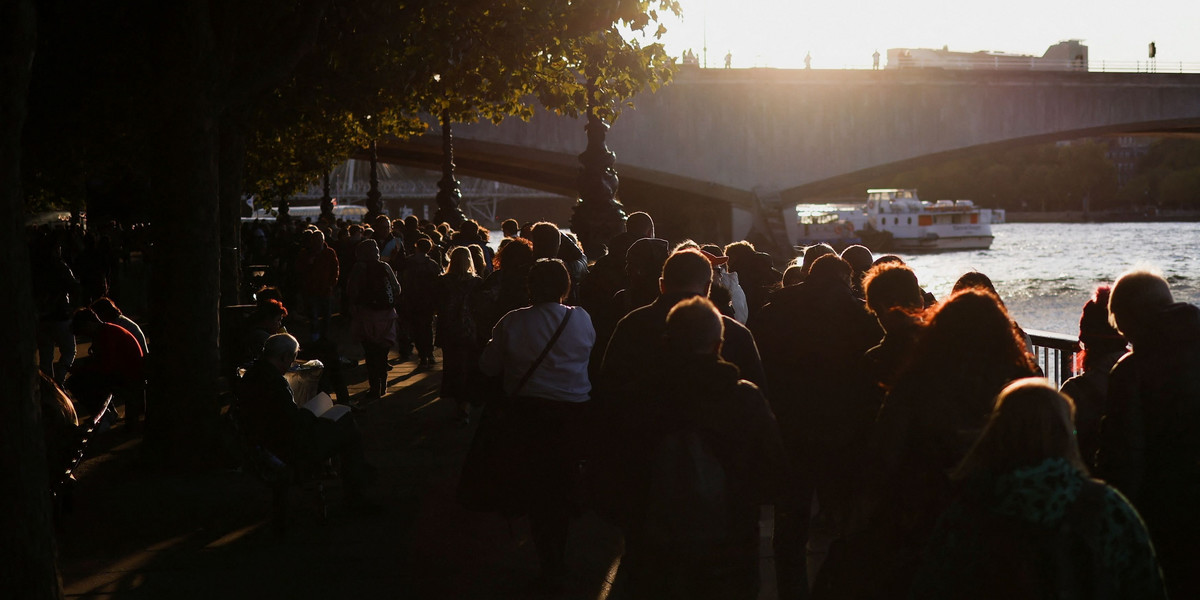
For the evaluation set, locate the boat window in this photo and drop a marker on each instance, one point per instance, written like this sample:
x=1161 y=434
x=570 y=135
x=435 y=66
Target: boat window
x=910 y=220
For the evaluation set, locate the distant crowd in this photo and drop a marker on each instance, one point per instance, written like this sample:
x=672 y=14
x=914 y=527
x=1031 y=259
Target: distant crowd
x=908 y=445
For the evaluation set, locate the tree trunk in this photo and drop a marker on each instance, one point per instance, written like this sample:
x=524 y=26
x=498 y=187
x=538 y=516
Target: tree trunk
x=185 y=283
x=28 y=565
x=231 y=166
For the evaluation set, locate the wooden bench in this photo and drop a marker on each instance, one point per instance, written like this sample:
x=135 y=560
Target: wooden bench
x=62 y=487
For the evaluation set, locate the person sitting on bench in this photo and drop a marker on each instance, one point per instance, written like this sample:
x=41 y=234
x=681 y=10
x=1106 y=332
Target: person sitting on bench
x=293 y=434
x=114 y=363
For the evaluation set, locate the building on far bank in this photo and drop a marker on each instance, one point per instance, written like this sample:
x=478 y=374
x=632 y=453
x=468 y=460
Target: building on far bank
x=1068 y=55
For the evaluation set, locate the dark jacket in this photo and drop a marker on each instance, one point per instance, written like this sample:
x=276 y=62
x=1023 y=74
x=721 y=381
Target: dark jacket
x=269 y=413
x=455 y=324
x=1043 y=531
x=1150 y=436
x=812 y=338
x=636 y=353
x=702 y=394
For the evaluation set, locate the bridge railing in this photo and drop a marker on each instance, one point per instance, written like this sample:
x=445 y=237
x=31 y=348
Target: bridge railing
x=1055 y=353
x=1034 y=63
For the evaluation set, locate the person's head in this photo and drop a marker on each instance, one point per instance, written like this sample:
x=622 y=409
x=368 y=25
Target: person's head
x=510 y=227
x=859 y=258
x=85 y=322
x=268 y=316
x=478 y=260
x=739 y=254
x=367 y=250
x=974 y=280
x=644 y=261
x=829 y=268
x=280 y=351
x=106 y=309
x=267 y=292
x=546 y=239
x=317 y=241
x=694 y=326
x=1096 y=334
x=888 y=259
x=971 y=328
x=1031 y=422
x=640 y=224
x=424 y=245
x=892 y=293
x=793 y=275
x=686 y=271
x=461 y=262
x=548 y=281
x=517 y=253
x=1136 y=297
x=812 y=253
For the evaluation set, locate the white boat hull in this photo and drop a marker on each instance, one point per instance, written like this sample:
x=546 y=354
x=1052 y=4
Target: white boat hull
x=973 y=242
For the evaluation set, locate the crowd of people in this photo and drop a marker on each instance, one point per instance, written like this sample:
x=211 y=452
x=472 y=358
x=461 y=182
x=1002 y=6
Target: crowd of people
x=905 y=442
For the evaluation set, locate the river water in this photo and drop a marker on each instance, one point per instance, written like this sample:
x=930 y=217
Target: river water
x=1045 y=272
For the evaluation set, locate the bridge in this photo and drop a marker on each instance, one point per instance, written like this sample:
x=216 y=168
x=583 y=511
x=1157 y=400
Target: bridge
x=717 y=137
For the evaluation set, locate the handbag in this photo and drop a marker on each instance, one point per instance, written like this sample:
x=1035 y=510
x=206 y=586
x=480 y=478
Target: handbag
x=493 y=478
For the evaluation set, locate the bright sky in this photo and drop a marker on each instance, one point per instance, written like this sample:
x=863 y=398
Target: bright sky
x=842 y=33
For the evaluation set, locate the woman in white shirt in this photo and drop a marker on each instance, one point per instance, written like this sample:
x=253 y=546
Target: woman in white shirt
x=542 y=351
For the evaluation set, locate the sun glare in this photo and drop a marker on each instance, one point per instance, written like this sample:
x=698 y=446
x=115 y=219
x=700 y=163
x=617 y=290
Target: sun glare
x=779 y=33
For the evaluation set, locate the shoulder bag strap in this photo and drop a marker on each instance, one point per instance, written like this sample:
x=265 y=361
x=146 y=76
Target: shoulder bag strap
x=550 y=344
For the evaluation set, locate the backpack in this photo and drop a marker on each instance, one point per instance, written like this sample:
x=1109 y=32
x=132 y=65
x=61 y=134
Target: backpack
x=687 y=503
x=375 y=291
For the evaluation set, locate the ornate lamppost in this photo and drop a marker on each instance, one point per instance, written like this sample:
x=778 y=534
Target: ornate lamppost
x=598 y=215
x=327 y=201
x=374 y=205
x=449 y=193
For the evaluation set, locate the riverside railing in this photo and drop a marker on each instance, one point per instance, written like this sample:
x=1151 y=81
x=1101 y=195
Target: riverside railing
x=1055 y=353
x=1030 y=63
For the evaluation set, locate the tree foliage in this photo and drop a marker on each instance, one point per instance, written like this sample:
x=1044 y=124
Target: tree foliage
x=1168 y=176
x=1047 y=177
x=382 y=69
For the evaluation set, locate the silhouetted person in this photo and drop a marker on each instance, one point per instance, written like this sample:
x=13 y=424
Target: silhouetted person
x=688 y=537
x=812 y=337
x=418 y=281
x=317 y=269
x=293 y=434
x=894 y=297
x=55 y=292
x=1029 y=523
x=456 y=334
x=546 y=399
x=1150 y=435
x=967 y=353
x=1102 y=346
x=373 y=291
x=630 y=362
x=113 y=365
x=108 y=312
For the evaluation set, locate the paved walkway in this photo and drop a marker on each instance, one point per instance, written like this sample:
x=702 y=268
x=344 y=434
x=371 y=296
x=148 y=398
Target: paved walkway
x=140 y=534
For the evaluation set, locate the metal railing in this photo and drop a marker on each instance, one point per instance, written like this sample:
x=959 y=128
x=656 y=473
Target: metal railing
x=1055 y=354
x=1031 y=63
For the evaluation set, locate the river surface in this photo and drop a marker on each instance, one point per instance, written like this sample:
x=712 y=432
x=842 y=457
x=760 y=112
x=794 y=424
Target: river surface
x=1045 y=272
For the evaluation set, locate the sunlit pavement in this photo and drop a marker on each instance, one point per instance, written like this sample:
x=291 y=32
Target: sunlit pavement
x=139 y=533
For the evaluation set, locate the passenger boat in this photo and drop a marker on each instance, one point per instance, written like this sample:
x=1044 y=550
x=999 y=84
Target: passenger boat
x=897 y=220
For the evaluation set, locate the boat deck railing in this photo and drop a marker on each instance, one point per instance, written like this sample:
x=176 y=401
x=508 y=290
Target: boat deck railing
x=1055 y=353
